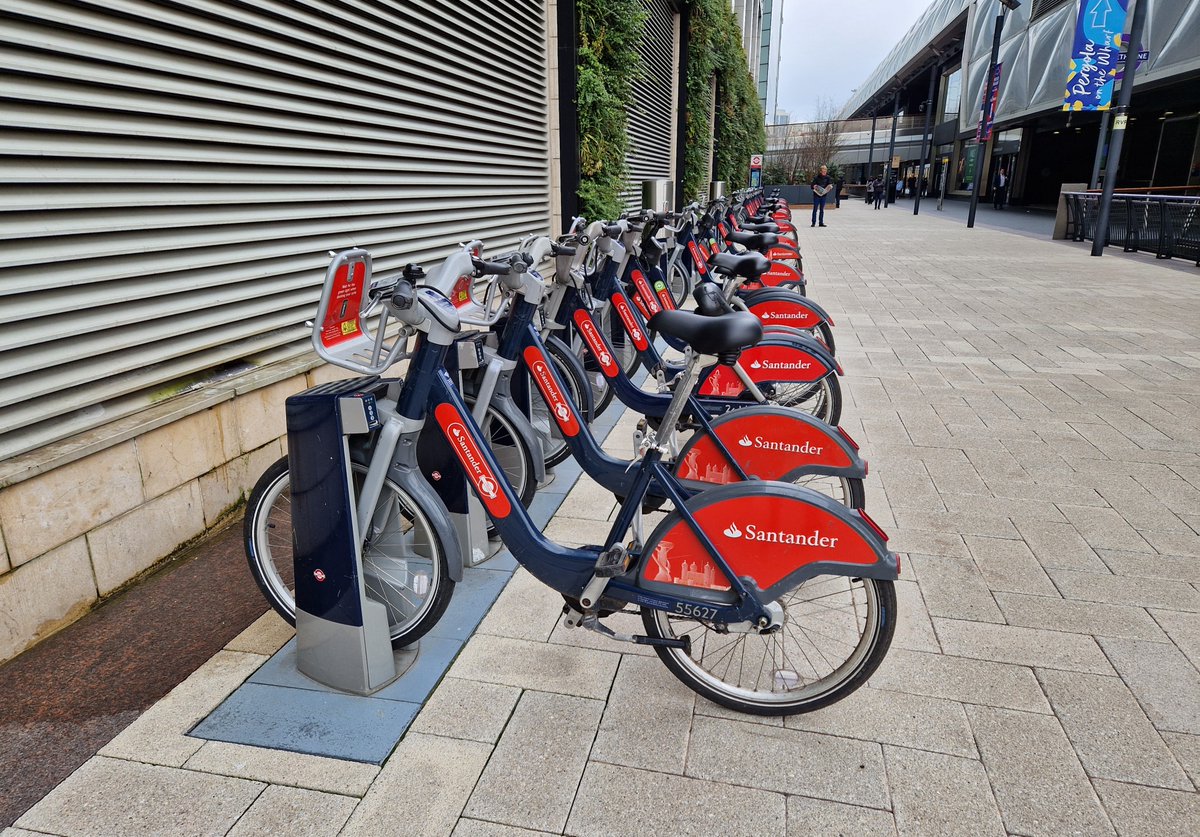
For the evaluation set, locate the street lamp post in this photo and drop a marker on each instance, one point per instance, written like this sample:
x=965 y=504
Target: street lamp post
x=871 y=149
x=887 y=164
x=983 y=107
x=926 y=140
x=1100 y=233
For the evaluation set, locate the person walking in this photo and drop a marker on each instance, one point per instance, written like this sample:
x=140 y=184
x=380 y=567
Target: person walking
x=999 y=189
x=877 y=187
x=870 y=190
x=837 y=193
x=822 y=184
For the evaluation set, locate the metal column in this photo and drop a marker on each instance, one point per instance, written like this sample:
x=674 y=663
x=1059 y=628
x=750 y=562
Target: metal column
x=926 y=140
x=887 y=164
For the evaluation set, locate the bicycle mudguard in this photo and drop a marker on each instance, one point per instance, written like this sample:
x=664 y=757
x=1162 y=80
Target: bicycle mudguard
x=774 y=536
x=781 y=273
x=771 y=443
x=780 y=307
x=799 y=359
x=436 y=462
x=784 y=251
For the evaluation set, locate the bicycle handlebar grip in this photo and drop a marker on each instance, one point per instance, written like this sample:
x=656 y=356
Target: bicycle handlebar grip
x=403 y=295
x=561 y=250
x=484 y=268
x=612 y=230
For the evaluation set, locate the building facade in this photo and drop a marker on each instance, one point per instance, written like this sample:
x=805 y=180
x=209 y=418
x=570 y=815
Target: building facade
x=1039 y=146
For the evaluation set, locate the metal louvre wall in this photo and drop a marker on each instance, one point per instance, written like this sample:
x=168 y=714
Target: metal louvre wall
x=175 y=172
x=652 y=113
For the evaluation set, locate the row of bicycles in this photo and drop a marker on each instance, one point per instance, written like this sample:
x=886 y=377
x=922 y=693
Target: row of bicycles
x=739 y=534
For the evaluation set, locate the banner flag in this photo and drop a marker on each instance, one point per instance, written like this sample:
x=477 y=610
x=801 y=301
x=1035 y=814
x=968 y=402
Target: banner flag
x=1093 y=67
x=984 y=132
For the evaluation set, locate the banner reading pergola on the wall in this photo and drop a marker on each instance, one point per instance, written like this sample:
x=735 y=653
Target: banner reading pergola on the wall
x=1098 y=43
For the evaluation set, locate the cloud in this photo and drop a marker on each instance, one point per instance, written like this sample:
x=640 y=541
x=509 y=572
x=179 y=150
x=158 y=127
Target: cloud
x=827 y=50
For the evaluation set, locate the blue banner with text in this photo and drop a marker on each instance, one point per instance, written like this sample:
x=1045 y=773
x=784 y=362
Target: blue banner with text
x=1093 y=67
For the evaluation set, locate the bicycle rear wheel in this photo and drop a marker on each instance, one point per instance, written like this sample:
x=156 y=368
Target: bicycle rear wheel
x=404 y=566
x=822 y=399
x=835 y=633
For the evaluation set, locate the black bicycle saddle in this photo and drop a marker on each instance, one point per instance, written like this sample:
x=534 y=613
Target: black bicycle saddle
x=710 y=335
x=749 y=265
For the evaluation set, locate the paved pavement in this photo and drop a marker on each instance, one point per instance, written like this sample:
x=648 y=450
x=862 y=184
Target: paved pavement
x=1032 y=419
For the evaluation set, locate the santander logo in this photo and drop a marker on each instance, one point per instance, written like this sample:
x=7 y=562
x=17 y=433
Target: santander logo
x=784 y=447
x=785 y=315
x=471 y=457
x=596 y=343
x=544 y=378
x=754 y=533
x=770 y=364
x=622 y=305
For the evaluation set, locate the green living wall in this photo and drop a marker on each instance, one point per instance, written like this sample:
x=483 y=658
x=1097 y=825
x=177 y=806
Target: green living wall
x=715 y=49
x=609 y=33
x=608 y=63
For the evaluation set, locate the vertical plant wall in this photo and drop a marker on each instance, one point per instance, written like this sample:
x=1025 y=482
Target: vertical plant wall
x=609 y=34
x=715 y=49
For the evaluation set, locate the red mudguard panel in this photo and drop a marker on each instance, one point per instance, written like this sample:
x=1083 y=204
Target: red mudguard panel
x=783 y=312
x=766 y=536
x=765 y=363
x=766 y=446
x=780 y=273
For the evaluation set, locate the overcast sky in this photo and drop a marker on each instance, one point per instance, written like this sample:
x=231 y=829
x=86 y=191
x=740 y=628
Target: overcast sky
x=829 y=48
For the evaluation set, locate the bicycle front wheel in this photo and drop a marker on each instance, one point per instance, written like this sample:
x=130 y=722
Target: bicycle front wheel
x=404 y=565
x=836 y=631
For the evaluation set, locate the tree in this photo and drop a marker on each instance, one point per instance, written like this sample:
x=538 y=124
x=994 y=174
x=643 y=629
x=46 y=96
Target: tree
x=799 y=149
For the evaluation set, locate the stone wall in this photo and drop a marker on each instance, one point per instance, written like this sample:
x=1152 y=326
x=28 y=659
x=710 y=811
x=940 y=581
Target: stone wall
x=74 y=535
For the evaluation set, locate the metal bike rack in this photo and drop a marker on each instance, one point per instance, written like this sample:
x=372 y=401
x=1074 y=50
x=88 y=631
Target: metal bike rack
x=342 y=635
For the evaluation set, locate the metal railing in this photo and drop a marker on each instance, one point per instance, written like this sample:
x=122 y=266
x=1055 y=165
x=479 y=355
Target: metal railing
x=1164 y=225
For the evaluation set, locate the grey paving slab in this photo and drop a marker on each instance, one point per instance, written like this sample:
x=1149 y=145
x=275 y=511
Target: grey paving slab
x=934 y=793
x=531 y=778
x=788 y=761
x=1109 y=731
x=1035 y=774
x=1021 y=646
x=961 y=679
x=1150 y=812
x=914 y=630
x=537 y=665
x=480 y=828
x=277 y=767
x=1092 y=618
x=467 y=709
x=955 y=588
x=618 y=801
x=648 y=720
x=294 y=811
x=1186 y=749
x=821 y=818
x=1010 y=566
x=894 y=717
x=1172 y=567
x=1183 y=629
x=105 y=797
x=1126 y=590
x=1161 y=678
x=422 y=789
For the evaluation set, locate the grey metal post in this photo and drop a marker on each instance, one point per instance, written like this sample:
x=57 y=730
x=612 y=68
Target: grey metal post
x=887 y=164
x=871 y=148
x=1095 y=181
x=1100 y=235
x=926 y=139
x=987 y=90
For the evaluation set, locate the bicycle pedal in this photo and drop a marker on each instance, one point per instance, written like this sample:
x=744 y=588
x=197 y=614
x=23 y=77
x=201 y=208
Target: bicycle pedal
x=612 y=562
